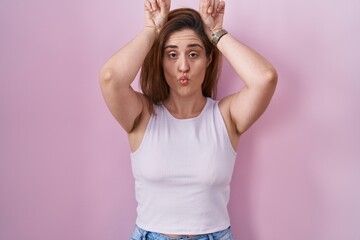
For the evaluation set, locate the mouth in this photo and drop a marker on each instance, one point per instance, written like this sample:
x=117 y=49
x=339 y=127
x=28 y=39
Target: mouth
x=184 y=80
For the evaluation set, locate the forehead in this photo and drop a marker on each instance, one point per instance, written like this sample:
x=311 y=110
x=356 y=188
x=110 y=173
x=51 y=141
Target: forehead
x=183 y=38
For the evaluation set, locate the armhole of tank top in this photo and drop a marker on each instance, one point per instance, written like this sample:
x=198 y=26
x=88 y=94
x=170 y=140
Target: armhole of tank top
x=146 y=133
x=224 y=128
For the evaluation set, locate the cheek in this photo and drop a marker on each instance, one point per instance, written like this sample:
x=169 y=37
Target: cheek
x=200 y=68
x=169 y=68
x=168 y=73
x=165 y=68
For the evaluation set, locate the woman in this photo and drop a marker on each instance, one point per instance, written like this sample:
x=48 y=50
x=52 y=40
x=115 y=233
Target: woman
x=182 y=140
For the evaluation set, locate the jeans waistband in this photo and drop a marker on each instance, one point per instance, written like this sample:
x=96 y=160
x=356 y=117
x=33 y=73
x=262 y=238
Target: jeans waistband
x=141 y=234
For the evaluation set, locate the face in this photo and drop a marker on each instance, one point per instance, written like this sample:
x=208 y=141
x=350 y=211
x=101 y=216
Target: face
x=184 y=63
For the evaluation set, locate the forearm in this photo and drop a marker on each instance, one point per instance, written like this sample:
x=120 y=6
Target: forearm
x=251 y=67
x=124 y=65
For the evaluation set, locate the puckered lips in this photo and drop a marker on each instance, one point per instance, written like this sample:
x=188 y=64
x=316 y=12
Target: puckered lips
x=184 y=80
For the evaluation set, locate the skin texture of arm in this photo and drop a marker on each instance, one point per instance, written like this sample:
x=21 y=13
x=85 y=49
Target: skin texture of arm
x=117 y=75
x=120 y=70
x=260 y=78
x=243 y=108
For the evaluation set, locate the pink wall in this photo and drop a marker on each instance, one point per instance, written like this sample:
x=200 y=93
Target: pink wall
x=64 y=161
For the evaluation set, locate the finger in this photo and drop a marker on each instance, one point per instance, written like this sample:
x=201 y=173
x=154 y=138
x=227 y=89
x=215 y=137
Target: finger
x=220 y=7
x=164 y=7
x=211 y=4
x=204 y=7
x=147 y=6
x=153 y=5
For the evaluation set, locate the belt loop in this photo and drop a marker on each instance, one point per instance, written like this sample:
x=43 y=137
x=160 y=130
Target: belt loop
x=210 y=236
x=144 y=235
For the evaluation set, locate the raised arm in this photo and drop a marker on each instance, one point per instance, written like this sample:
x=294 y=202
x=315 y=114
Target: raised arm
x=259 y=76
x=121 y=69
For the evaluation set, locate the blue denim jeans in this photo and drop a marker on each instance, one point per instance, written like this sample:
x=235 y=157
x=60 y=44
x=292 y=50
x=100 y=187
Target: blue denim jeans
x=141 y=234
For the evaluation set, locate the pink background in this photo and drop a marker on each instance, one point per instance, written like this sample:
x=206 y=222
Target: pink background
x=64 y=161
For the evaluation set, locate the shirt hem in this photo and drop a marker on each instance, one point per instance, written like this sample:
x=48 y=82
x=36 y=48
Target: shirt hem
x=183 y=232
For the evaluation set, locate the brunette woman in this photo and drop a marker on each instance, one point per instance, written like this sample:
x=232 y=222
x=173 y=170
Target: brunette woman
x=183 y=141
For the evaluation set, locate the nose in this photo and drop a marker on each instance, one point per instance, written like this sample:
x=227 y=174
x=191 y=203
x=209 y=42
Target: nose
x=183 y=64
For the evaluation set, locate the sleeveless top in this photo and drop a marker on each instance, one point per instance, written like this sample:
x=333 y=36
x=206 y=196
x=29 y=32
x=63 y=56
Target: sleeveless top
x=182 y=171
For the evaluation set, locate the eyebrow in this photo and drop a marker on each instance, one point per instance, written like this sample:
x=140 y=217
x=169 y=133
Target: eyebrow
x=189 y=46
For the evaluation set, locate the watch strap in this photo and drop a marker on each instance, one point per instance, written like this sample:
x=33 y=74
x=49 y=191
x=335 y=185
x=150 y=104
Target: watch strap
x=215 y=36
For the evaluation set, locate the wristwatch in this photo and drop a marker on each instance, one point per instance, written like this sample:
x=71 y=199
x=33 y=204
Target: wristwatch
x=215 y=36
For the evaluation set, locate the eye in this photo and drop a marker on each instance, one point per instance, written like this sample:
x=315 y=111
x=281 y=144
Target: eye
x=193 y=54
x=172 y=55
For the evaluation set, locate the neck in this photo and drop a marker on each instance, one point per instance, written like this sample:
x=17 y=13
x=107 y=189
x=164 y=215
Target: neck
x=181 y=107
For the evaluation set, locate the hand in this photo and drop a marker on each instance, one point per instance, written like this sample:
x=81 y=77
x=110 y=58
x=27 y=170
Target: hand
x=212 y=14
x=156 y=12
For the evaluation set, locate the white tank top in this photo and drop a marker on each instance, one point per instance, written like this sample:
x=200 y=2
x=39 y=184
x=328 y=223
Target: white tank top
x=182 y=172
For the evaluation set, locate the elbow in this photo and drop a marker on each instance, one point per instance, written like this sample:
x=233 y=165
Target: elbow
x=106 y=75
x=270 y=79
x=108 y=79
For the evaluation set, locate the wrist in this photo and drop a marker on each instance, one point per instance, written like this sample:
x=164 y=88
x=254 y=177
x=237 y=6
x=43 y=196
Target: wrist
x=151 y=28
x=150 y=32
x=217 y=34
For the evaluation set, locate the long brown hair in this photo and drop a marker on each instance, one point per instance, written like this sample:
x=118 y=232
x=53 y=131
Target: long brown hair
x=152 y=79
